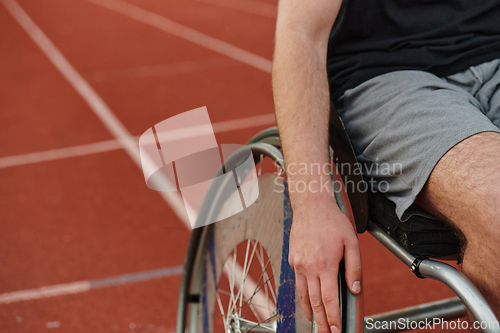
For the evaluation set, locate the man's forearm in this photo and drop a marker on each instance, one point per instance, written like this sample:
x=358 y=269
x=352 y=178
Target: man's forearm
x=302 y=104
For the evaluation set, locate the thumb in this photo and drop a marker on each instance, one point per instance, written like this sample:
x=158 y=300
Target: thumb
x=352 y=259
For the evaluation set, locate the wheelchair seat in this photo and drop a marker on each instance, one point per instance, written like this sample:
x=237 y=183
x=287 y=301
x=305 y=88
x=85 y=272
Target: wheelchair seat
x=419 y=235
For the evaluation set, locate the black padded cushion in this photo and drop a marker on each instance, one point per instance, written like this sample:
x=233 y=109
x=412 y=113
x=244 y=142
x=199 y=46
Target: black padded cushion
x=419 y=235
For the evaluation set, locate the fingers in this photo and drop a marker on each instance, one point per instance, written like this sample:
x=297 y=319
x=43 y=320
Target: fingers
x=303 y=292
x=352 y=259
x=317 y=306
x=330 y=297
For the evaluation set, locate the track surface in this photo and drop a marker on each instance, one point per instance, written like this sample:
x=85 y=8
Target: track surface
x=89 y=217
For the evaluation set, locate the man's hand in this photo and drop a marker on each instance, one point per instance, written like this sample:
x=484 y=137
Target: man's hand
x=321 y=236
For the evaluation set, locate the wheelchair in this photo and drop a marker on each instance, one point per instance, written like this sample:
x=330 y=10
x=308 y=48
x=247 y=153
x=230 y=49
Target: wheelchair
x=236 y=274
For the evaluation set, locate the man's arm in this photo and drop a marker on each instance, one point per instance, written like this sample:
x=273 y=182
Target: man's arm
x=321 y=234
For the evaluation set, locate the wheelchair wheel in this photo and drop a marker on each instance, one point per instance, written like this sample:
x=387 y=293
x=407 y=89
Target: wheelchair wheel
x=237 y=277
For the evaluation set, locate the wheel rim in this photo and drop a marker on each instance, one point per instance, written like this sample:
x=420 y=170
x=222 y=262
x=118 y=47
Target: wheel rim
x=230 y=234
x=240 y=274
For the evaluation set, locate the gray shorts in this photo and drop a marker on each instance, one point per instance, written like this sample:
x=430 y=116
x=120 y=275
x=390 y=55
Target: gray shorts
x=401 y=123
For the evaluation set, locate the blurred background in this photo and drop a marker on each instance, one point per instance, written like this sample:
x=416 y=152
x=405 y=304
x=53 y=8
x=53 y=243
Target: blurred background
x=84 y=244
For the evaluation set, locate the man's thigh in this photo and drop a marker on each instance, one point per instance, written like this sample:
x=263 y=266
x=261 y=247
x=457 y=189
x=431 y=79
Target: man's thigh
x=464 y=188
x=401 y=124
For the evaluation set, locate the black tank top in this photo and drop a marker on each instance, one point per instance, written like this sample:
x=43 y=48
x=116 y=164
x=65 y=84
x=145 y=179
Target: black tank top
x=439 y=36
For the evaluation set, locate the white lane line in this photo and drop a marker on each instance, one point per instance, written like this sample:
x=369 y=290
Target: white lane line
x=248 y=6
x=95 y=102
x=45 y=292
x=110 y=145
x=57 y=154
x=183 y=67
x=84 y=286
x=176 y=29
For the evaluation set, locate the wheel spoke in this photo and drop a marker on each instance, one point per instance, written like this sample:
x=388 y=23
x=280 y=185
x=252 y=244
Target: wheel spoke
x=243 y=275
x=245 y=272
x=222 y=312
x=249 y=301
x=258 y=298
x=231 y=275
x=264 y=272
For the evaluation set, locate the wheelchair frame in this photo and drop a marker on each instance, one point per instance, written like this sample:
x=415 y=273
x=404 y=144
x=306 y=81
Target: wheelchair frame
x=267 y=143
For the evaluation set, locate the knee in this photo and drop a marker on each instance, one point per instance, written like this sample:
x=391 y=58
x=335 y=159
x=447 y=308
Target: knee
x=487 y=201
x=490 y=208
x=482 y=226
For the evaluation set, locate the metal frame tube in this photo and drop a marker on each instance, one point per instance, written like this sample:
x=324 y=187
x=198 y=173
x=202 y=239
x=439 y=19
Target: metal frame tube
x=389 y=243
x=463 y=288
x=446 y=309
x=444 y=273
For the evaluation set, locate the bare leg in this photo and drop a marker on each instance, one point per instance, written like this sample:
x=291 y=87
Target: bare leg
x=464 y=189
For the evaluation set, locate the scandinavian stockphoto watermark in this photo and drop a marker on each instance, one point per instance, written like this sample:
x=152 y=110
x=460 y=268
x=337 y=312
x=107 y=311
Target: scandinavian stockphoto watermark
x=182 y=154
x=315 y=177
x=404 y=324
